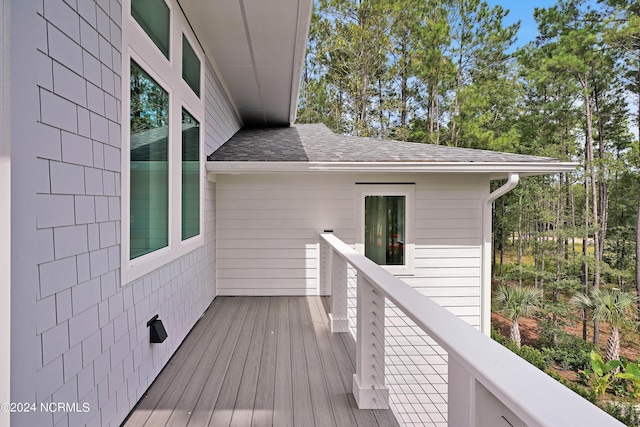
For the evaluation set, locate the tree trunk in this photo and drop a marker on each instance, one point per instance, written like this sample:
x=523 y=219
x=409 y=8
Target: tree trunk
x=613 y=345
x=590 y=166
x=381 y=112
x=520 y=240
x=306 y=83
x=502 y=243
x=403 y=83
x=638 y=255
x=362 y=104
x=456 y=102
x=514 y=333
x=437 y=118
x=495 y=241
x=458 y=87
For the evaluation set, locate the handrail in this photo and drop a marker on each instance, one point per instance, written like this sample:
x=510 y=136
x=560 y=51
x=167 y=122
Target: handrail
x=533 y=396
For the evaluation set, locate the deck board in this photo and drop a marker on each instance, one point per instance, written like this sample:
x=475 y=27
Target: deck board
x=302 y=408
x=223 y=409
x=322 y=408
x=204 y=407
x=249 y=383
x=259 y=361
x=264 y=403
x=193 y=390
x=338 y=396
x=283 y=392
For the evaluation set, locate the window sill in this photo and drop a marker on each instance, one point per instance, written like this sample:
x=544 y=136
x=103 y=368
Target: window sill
x=134 y=269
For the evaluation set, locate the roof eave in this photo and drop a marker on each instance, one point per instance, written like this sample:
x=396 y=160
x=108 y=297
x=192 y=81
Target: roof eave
x=303 y=26
x=497 y=170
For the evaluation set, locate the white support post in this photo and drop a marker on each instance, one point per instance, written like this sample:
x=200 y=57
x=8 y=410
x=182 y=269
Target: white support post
x=338 y=278
x=460 y=396
x=473 y=405
x=369 y=387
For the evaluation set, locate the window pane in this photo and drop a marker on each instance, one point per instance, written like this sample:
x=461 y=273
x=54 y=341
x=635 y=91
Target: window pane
x=149 y=187
x=153 y=16
x=190 y=176
x=384 y=233
x=190 y=66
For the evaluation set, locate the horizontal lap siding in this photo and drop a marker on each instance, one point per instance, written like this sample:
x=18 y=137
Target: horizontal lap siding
x=267 y=233
x=448 y=227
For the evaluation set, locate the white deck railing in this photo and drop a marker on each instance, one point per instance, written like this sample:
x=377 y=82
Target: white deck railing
x=488 y=385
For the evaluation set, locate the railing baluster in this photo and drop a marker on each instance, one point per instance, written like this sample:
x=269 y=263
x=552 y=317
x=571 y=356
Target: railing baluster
x=369 y=387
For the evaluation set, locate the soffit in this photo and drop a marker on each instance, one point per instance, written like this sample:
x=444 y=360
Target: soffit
x=258 y=48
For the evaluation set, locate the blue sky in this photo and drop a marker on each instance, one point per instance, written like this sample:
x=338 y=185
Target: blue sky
x=522 y=10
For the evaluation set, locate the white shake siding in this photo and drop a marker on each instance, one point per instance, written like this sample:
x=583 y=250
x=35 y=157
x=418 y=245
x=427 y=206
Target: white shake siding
x=267 y=228
x=92 y=338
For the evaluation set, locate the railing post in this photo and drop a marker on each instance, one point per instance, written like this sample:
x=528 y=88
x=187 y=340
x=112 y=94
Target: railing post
x=460 y=396
x=324 y=274
x=338 y=278
x=471 y=404
x=369 y=387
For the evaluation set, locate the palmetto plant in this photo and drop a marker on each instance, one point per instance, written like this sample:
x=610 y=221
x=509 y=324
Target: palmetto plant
x=515 y=302
x=611 y=306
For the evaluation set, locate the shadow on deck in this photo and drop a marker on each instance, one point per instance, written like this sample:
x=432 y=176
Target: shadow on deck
x=259 y=361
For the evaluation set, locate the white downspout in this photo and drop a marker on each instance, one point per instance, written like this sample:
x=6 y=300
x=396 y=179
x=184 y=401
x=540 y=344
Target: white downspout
x=485 y=283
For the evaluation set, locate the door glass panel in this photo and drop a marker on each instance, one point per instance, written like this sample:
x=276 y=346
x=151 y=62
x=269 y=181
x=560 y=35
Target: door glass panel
x=384 y=234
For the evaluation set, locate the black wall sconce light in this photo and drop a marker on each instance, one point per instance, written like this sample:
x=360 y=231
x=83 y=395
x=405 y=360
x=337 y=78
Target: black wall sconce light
x=156 y=330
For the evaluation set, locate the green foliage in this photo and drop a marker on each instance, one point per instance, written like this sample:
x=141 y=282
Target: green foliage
x=525 y=272
x=533 y=356
x=572 y=352
x=602 y=374
x=631 y=374
x=530 y=354
x=611 y=306
x=497 y=336
x=626 y=413
x=583 y=377
x=518 y=301
x=586 y=393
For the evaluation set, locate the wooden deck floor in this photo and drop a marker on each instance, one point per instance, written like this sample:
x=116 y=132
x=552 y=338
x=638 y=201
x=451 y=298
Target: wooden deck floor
x=259 y=361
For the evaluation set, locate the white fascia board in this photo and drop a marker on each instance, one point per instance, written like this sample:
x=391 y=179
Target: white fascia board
x=498 y=170
x=305 y=9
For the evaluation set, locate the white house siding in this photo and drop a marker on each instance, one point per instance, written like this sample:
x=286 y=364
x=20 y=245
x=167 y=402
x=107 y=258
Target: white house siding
x=268 y=225
x=267 y=230
x=91 y=332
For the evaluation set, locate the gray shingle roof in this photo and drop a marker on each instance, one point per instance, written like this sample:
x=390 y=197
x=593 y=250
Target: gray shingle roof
x=316 y=143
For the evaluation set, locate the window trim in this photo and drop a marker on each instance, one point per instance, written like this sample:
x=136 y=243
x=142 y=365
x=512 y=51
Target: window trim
x=389 y=189
x=139 y=47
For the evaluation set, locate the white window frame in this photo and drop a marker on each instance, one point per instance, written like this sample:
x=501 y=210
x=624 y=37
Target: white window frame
x=139 y=47
x=389 y=189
